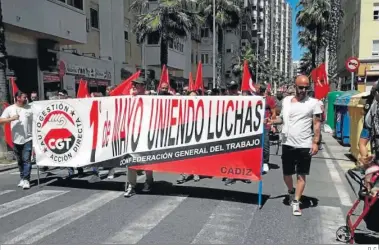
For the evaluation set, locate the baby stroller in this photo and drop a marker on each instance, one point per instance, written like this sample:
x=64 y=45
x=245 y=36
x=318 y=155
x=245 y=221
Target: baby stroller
x=369 y=197
x=275 y=138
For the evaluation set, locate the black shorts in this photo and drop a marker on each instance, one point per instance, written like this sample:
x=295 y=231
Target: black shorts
x=296 y=160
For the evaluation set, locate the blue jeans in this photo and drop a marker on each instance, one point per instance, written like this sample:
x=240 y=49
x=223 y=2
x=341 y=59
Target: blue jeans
x=23 y=155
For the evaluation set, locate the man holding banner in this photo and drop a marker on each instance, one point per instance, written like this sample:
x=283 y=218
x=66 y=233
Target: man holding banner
x=299 y=113
x=21 y=118
x=138 y=89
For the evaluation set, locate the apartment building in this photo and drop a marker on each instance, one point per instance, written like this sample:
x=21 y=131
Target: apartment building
x=295 y=71
x=278 y=35
x=359 y=39
x=233 y=41
x=71 y=40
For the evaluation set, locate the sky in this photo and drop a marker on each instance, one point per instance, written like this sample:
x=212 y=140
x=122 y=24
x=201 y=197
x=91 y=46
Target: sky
x=296 y=50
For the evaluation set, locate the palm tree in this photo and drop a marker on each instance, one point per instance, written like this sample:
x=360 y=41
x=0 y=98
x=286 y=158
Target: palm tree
x=306 y=63
x=168 y=22
x=314 y=16
x=228 y=15
x=335 y=22
x=3 y=54
x=3 y=80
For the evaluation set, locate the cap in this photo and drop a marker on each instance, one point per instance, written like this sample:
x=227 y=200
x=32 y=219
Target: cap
x=139 y=80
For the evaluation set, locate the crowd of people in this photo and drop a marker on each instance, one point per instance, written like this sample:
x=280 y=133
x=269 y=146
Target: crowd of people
x=293 y=113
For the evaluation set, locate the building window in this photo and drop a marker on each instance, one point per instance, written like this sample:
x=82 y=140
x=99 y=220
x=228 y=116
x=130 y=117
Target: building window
x=375 y=48
x=153 y=38
x=75 y=3
x=126 y=33
x=376 y=11
x=205 y=33
x=94 y=14
x=205 y=58
x=192 y=57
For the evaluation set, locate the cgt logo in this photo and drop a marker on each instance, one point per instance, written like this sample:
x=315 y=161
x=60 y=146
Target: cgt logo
x=59 y=132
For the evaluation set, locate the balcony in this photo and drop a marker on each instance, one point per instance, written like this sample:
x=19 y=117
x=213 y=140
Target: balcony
x=261 y=5
x=52 y=19
x=176 y=59
x=255 y=14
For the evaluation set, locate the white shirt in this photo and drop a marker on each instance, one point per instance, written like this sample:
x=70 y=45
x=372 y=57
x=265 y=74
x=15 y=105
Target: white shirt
x=298 y=120
x=21 y=128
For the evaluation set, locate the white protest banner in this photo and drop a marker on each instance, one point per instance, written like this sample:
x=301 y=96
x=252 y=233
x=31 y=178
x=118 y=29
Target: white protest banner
x=215 y=136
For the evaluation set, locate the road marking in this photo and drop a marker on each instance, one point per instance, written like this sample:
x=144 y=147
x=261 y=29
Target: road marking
x=136 y=230
x=336 y=178
x=6 y=192
x=228 y=224
x=50 y=223
x=331 y=219
x=28 y=201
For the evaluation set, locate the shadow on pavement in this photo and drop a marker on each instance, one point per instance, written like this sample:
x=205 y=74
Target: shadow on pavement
x=42 y=181
x=164 y=188
x=306 y=201
x=363 y=238
x=273 y=166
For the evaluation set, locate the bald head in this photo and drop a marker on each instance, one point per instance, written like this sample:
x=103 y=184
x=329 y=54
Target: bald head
x=302 y=80
x=302 y=86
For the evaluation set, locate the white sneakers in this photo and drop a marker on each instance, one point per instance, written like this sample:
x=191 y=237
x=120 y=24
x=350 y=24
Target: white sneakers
x=296 y=211
x=21 y=183
x=24 y=184
x=266 y=168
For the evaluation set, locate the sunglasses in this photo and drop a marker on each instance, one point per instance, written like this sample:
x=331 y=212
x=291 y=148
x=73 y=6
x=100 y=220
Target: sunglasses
x=302 y=87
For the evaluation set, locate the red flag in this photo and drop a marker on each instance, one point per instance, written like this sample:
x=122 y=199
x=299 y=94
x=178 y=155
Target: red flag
x=247 y=81
x=14 y=86
x=191 y=84
x=83 y=89
x=165 y=79
x=8 y=130
x=320 y=79
x=199 y=84
x=125 y=87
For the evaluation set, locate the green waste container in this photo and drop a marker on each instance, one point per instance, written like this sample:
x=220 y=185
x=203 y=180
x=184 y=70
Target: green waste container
x=330 y=112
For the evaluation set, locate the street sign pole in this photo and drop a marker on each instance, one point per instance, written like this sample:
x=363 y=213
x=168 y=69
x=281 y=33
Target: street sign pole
x=352 y=65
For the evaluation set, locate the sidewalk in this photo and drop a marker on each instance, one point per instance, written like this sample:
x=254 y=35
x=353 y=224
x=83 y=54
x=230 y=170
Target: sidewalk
x=337 y=152
x=7 y=166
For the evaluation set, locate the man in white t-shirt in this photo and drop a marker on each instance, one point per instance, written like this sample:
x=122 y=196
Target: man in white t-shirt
x=21 y=117
x=300 y=142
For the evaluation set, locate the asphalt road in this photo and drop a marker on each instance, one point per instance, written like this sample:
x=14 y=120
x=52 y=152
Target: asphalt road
x=207 y=212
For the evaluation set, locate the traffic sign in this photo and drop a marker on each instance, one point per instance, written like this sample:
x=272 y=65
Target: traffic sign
x=352 y=64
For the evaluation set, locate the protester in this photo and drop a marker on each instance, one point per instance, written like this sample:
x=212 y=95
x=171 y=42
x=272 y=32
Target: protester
x=370 y=129
x=299 y=113
x=21 y=118
x=164 y=89
x=270 y=113
x=33 y=96
x=369 y=133
x=183 y=177
x=130 y=187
